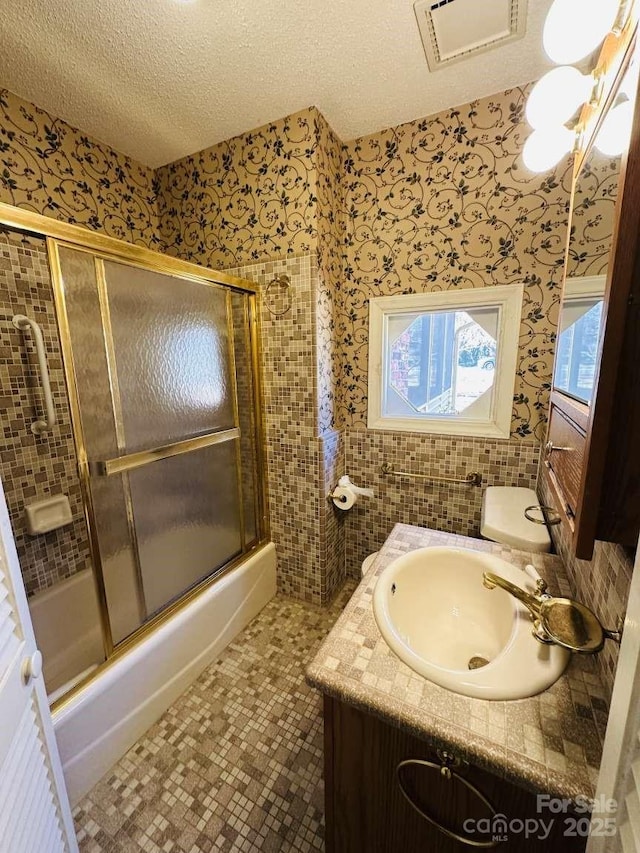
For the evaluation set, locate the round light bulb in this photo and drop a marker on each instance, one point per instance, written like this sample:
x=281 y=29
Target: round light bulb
x=557 y=95
x=575 y=28
x=545 y=148
x=614 y=135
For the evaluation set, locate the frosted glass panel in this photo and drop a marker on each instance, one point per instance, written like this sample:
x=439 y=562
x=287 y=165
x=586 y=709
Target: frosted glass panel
x=124 y=598
x=89 y=354
x=171 y=345
x=164 y=367
x=246 y=409
x=117 y=556
x=187 y=515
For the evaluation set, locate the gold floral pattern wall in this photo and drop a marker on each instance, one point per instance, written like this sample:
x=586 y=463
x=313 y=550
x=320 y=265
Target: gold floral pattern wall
x=246 y=200
x=330 y=227
x=445 y=203
x=592 y=218
x=437 y=203
x=51 y=168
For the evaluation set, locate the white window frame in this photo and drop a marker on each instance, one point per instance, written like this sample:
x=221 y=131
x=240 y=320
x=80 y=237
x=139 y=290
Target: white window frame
x=508 y=300
x=584 y=287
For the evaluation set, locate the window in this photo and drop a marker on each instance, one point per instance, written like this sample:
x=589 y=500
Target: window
x=579 y=338
x=444 y=362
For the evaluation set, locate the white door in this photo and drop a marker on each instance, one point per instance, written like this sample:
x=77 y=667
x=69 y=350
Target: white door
x=34 y=810
x=615 y=826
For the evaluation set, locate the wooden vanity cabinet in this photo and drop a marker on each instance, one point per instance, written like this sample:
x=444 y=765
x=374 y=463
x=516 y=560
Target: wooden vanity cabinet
x=591 y=460
x=366 y=812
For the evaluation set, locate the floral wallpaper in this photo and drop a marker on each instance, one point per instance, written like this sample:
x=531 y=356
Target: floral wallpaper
x=330 y=229
x=51 y=168
x=436 y=203
x=592 y=218
x=264 y=195
x=249 y=199
x=445 y=203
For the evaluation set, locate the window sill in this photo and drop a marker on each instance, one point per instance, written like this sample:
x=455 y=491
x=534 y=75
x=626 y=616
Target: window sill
x=437 y=426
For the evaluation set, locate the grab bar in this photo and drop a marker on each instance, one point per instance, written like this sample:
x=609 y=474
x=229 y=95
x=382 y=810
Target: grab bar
x=24 y=324
x=473 y=478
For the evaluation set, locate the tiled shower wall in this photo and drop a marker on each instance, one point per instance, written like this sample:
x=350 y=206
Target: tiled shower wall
x=51 y=168
x=35 y=467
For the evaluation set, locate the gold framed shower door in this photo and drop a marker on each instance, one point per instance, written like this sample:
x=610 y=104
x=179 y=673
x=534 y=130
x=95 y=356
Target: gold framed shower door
x=60 y=234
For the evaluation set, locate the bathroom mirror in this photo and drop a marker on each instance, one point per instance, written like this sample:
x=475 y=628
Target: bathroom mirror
x=590 y=242
x=591 y=460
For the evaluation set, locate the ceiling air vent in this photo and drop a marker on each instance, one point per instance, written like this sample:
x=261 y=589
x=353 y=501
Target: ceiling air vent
x=453 y=30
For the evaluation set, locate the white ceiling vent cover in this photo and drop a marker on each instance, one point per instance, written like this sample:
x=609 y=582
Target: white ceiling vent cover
x=453 y=30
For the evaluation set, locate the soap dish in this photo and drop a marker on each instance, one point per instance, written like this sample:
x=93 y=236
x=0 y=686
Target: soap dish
x=48 y=514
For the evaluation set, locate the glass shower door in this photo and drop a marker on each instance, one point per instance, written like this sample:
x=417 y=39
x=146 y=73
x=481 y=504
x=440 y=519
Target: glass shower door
x=172 y=361
x=164 y=384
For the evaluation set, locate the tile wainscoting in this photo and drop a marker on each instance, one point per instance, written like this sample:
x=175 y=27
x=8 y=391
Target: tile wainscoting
x=602 y=583
x=333 y=525
x=451 y=508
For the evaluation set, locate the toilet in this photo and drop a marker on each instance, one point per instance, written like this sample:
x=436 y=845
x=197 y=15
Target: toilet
x=503 y=519
x=368 y=562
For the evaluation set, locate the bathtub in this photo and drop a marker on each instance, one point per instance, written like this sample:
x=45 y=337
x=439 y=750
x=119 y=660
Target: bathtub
x=106 y=717
x=70 y=647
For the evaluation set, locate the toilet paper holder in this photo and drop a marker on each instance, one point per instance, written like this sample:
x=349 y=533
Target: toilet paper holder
x=338 y=495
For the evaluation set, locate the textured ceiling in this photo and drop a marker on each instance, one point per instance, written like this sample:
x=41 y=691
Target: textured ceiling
x=159 y=79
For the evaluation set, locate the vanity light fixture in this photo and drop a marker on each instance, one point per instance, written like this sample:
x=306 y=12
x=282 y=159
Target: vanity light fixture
x=556 y=96
x=615 y=134
x=546 y=147
x=575 y=28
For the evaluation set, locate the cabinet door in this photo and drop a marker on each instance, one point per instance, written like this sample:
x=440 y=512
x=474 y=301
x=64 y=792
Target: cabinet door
x=564 y=460
x=367 y=811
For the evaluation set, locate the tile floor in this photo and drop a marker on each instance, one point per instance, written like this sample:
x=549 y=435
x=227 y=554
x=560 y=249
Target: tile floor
x=236 y=763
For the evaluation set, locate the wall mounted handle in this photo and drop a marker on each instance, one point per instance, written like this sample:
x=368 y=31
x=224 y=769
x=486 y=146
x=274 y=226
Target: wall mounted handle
x=550 y=448
x=446 y=770
x=24 y=324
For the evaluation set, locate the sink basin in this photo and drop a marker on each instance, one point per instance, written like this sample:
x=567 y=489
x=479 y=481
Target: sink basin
x=435 y=614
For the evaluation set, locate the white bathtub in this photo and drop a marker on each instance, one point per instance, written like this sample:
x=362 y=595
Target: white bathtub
x=66 y=622
x=104 y=719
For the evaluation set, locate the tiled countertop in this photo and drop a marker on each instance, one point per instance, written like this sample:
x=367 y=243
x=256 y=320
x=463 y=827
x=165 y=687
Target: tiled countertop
x=550 y=743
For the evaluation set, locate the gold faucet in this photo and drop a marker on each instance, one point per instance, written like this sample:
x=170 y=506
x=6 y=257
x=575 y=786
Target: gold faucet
x=559 y=621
